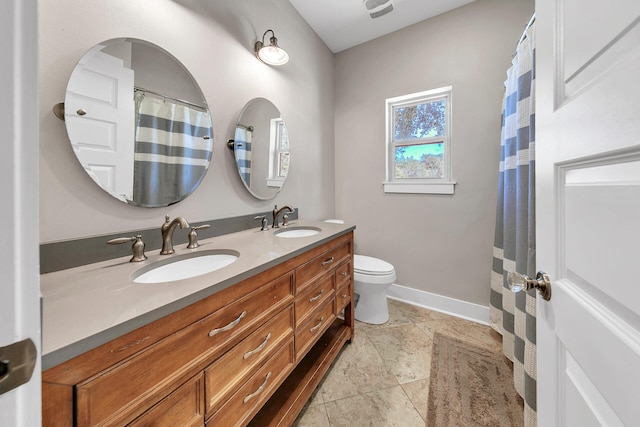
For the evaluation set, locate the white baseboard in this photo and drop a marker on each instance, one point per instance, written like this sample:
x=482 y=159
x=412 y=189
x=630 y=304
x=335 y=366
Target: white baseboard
x=465 y=310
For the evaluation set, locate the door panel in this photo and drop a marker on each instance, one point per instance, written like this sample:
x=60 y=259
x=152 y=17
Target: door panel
x=102 y=136
x=19 y=288
x=588 y=205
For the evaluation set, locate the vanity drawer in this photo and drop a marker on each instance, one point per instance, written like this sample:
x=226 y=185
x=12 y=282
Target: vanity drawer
x=343 y=297
x=343 y=275
x=131 y=387
x=307 y=334
x=183 y=407
x=312 y=298
x=319 y=265
x=223 y=377
x=244 y=404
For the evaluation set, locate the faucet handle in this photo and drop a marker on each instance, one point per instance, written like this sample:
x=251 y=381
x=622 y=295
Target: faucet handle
x=264 y=223
x=193 y=236
x=137 y=249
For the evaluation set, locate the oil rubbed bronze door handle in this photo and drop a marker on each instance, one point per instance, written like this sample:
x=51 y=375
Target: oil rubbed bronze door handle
x=17 y=363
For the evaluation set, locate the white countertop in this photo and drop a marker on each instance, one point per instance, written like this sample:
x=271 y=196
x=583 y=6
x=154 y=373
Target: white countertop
x=87 y=306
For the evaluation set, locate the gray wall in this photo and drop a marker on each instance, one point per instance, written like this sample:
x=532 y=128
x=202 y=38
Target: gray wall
x=214 y=40
x=438 y=244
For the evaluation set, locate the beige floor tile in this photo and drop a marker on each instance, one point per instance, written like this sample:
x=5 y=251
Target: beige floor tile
x=418 y=392
x=315 y=416
x=381 y=379
x=359 y=369
x=406 y=351
x=383 y=408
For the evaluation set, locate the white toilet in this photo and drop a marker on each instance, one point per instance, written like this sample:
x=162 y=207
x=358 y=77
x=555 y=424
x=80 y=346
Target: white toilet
x=372 y=278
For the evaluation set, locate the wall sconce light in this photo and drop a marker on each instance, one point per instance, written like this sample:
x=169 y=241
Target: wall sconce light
x=271 y=54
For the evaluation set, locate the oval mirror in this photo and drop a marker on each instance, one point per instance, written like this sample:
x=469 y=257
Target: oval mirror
x=261 y=148
x=138 y=123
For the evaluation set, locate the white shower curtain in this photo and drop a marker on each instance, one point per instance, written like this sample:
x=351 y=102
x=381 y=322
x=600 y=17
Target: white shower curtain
x=513 y=315
x=173 y=146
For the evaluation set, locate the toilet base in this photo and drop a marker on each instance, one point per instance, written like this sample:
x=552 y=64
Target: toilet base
x=372 y=308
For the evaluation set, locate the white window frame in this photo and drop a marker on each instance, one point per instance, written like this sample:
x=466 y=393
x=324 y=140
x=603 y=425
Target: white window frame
x=275 y=149
x=444 y=185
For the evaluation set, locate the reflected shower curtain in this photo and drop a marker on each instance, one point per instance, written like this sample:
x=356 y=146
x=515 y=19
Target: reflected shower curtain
x=513 y=315
x=242 y=142
x=173 y=147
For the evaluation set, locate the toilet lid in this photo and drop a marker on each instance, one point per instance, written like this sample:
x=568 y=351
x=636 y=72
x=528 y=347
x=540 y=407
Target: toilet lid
x=372 y=266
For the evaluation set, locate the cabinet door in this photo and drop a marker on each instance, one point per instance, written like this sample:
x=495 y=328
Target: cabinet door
x=183 y=407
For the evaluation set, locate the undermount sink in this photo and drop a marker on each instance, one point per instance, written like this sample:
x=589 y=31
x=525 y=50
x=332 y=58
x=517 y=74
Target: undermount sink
x=294 y=232
x=185 y=266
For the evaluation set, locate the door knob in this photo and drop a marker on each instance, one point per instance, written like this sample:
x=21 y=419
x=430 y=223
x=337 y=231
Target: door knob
x=518 y=282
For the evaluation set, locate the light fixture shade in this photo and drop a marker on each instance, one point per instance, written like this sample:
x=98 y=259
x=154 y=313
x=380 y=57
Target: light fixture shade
x=271 y=54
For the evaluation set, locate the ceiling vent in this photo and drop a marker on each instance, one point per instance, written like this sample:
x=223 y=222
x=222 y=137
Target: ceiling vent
x=377 y=8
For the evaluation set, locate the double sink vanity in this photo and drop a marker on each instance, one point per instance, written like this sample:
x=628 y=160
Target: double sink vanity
x=235 y=330
x=238 y=331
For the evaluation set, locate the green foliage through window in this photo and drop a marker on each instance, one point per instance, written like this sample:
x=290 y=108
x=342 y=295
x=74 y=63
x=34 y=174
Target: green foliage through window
x=420 y=121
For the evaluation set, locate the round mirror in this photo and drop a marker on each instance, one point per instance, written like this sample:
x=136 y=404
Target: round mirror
x=261 y=147
x=138 y=123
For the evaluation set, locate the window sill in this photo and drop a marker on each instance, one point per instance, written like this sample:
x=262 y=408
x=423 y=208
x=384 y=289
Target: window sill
x=419 y=187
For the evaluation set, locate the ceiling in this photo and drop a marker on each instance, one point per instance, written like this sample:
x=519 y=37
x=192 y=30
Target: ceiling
x=342 y=24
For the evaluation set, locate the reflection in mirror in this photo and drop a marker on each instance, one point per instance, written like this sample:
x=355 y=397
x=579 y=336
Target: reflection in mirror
x=138 y=123
x=261 y=148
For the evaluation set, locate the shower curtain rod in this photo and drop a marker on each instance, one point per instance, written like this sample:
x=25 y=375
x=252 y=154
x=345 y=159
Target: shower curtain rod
x=190 y=104
x=249 y=127
x=529 y=24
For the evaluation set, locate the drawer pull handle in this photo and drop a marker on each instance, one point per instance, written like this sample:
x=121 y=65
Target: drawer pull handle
x=259 y=390
x=317 y=297
x=229 y=326
x=327 y=262
x=258 y=349
x=318 y=325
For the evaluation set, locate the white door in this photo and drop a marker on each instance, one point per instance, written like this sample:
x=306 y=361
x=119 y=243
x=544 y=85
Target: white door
x=588 y=211
x=99 y=111
x=19 y=287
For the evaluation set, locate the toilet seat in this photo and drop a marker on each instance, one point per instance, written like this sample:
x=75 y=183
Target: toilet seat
x=372 y=271
x=371 y=266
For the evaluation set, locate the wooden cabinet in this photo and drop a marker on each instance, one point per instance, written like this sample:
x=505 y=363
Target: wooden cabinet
x=182 y=407
x=222 y=360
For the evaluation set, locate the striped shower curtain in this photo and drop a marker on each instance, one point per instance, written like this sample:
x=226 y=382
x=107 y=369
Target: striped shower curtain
x=173 y=147
x=513 y=315
x=242 y=142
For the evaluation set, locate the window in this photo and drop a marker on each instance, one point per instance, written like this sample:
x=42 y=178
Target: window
x=418 y=128
x=278 y=153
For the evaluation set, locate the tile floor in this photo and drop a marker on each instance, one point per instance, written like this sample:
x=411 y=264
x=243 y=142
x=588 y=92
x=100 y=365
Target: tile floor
x=381 y=379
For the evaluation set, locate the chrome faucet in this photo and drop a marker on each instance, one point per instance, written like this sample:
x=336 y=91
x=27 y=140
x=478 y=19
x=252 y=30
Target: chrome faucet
x=277 y=212
x=167 y=233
